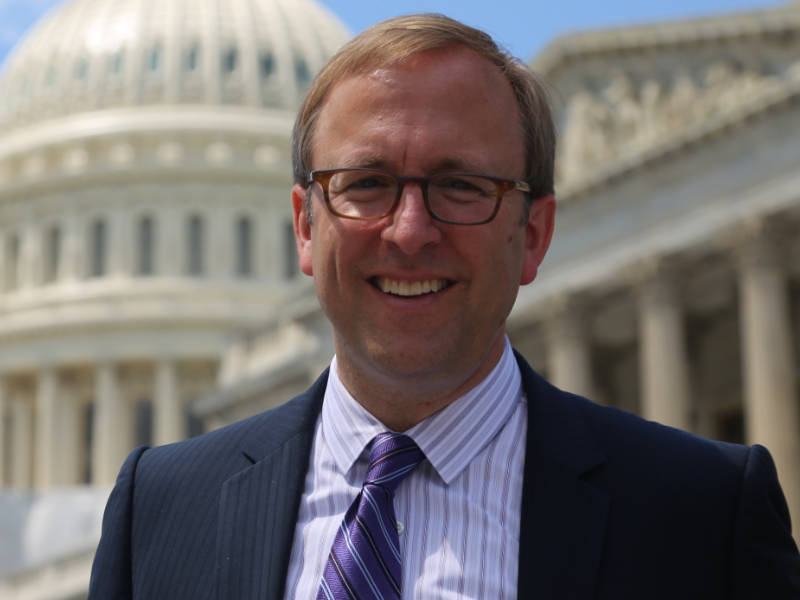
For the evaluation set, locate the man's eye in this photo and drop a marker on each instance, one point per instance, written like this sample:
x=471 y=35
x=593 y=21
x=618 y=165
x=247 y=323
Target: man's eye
x=459 y=185
x=462 y=187
x=365 y=183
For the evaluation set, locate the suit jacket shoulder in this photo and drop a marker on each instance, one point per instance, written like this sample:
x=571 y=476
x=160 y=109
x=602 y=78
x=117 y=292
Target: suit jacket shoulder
x=179 y=523
x=636 y=509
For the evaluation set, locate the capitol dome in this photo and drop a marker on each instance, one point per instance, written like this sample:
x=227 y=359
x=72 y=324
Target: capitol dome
x=145 y=217
x=89 y=55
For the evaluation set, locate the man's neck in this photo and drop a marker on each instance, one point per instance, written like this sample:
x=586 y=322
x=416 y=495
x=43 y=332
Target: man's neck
x=400 y=402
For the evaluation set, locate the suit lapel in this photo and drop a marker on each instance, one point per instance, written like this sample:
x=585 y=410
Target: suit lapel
x=258 y=506
x=563 y=515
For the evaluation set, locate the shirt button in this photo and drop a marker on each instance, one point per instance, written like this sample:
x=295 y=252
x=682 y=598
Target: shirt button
x=400 y=527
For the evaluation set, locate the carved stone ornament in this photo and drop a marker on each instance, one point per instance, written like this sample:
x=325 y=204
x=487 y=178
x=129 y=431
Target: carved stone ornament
x=629 y=116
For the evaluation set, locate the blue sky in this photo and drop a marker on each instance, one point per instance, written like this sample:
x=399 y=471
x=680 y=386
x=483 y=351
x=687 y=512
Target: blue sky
x=522 y=26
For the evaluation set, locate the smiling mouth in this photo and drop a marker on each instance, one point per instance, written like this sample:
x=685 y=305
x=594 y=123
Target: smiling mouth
x=410 y=288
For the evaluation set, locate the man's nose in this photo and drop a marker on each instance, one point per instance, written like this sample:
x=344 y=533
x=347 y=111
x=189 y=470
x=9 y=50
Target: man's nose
x=411 y=227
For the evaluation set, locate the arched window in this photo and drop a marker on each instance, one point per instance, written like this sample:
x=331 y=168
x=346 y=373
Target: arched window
x=116 y=62
x=195 y=242
x=52 y=253
x=229 y=60
x=192 y=58
x=301 y=72
x=97 y=249
x=266 y=63
x=145 y=246
x=244 y=247
x=154 y=58
x=290 y=266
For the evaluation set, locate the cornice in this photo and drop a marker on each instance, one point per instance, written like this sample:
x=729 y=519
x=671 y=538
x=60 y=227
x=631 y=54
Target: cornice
x=160 y=121
x=781 y=22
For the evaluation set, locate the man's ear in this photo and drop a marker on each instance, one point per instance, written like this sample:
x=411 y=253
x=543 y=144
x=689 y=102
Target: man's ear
x=302 y=228
x=538 y=233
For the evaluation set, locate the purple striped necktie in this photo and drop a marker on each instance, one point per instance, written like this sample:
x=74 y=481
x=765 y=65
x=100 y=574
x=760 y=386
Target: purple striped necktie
x=365 y=558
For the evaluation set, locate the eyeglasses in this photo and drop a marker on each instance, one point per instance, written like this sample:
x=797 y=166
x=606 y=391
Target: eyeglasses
x=455 y=198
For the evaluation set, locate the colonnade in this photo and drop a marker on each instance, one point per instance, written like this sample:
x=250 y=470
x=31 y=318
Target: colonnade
x=61 y=249
x=48 y=440
x=771 y=405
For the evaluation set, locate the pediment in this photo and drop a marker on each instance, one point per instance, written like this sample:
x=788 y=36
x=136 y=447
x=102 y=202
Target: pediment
x=624 y=96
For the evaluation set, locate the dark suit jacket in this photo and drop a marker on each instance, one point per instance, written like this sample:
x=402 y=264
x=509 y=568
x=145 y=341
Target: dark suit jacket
x=613 y=508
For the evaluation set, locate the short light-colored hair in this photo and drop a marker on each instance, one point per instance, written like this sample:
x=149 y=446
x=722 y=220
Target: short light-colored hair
x=394 y=40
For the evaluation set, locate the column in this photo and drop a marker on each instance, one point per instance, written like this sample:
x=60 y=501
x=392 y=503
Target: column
x=29 y=272
x=70 y=443
x=118 y=241
x=21 y=440
x=569 y=350
x=71 y=261
x=48 y=428
x=112 y=427
x=220 y=242
x=662 y=350
x=3 y=259
x=4 y=455
x=771 y=401
x=169 y=421
x=267 y=247
x=170 y=243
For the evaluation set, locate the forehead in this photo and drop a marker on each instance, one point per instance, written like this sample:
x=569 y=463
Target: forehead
x=447 y=104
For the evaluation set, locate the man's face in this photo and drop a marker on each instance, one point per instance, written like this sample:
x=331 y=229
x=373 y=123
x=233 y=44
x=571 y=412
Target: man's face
x=444 y=110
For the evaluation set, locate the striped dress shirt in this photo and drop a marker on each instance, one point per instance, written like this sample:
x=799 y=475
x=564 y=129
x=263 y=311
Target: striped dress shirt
x=458 y=513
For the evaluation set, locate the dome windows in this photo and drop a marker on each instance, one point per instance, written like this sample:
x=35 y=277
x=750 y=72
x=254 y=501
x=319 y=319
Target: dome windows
x=52 y=254
x=154 y=58
x=301 y=72
x=145 y=246
x=195 y=246
x=192 y=58
x=266 y=64
x=230 y=58
x=53 y=251
x=290 y=263
x=244 y=247
x=12 y=262
x=98 y=248
x=116 y=62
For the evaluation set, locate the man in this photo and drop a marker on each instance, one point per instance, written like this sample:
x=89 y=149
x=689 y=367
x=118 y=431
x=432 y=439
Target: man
x=423 y=199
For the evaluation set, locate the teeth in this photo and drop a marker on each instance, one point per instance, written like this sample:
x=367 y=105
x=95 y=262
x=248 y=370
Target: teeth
x=410 y=288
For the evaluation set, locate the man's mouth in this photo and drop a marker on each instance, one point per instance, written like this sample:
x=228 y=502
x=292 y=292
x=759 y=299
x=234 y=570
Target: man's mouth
x=410 y=288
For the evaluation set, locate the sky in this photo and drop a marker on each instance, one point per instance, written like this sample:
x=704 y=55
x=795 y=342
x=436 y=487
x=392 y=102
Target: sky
x=524 y=27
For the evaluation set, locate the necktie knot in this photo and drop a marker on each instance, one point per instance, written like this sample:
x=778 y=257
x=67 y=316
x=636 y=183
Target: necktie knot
x=392 y=457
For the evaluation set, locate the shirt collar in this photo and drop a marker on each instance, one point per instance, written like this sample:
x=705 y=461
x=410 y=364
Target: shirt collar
x=450 y=438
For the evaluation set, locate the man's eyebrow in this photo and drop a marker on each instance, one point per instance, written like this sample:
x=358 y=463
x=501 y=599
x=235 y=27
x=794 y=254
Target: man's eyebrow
x=375 y=161
x=370 y=161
